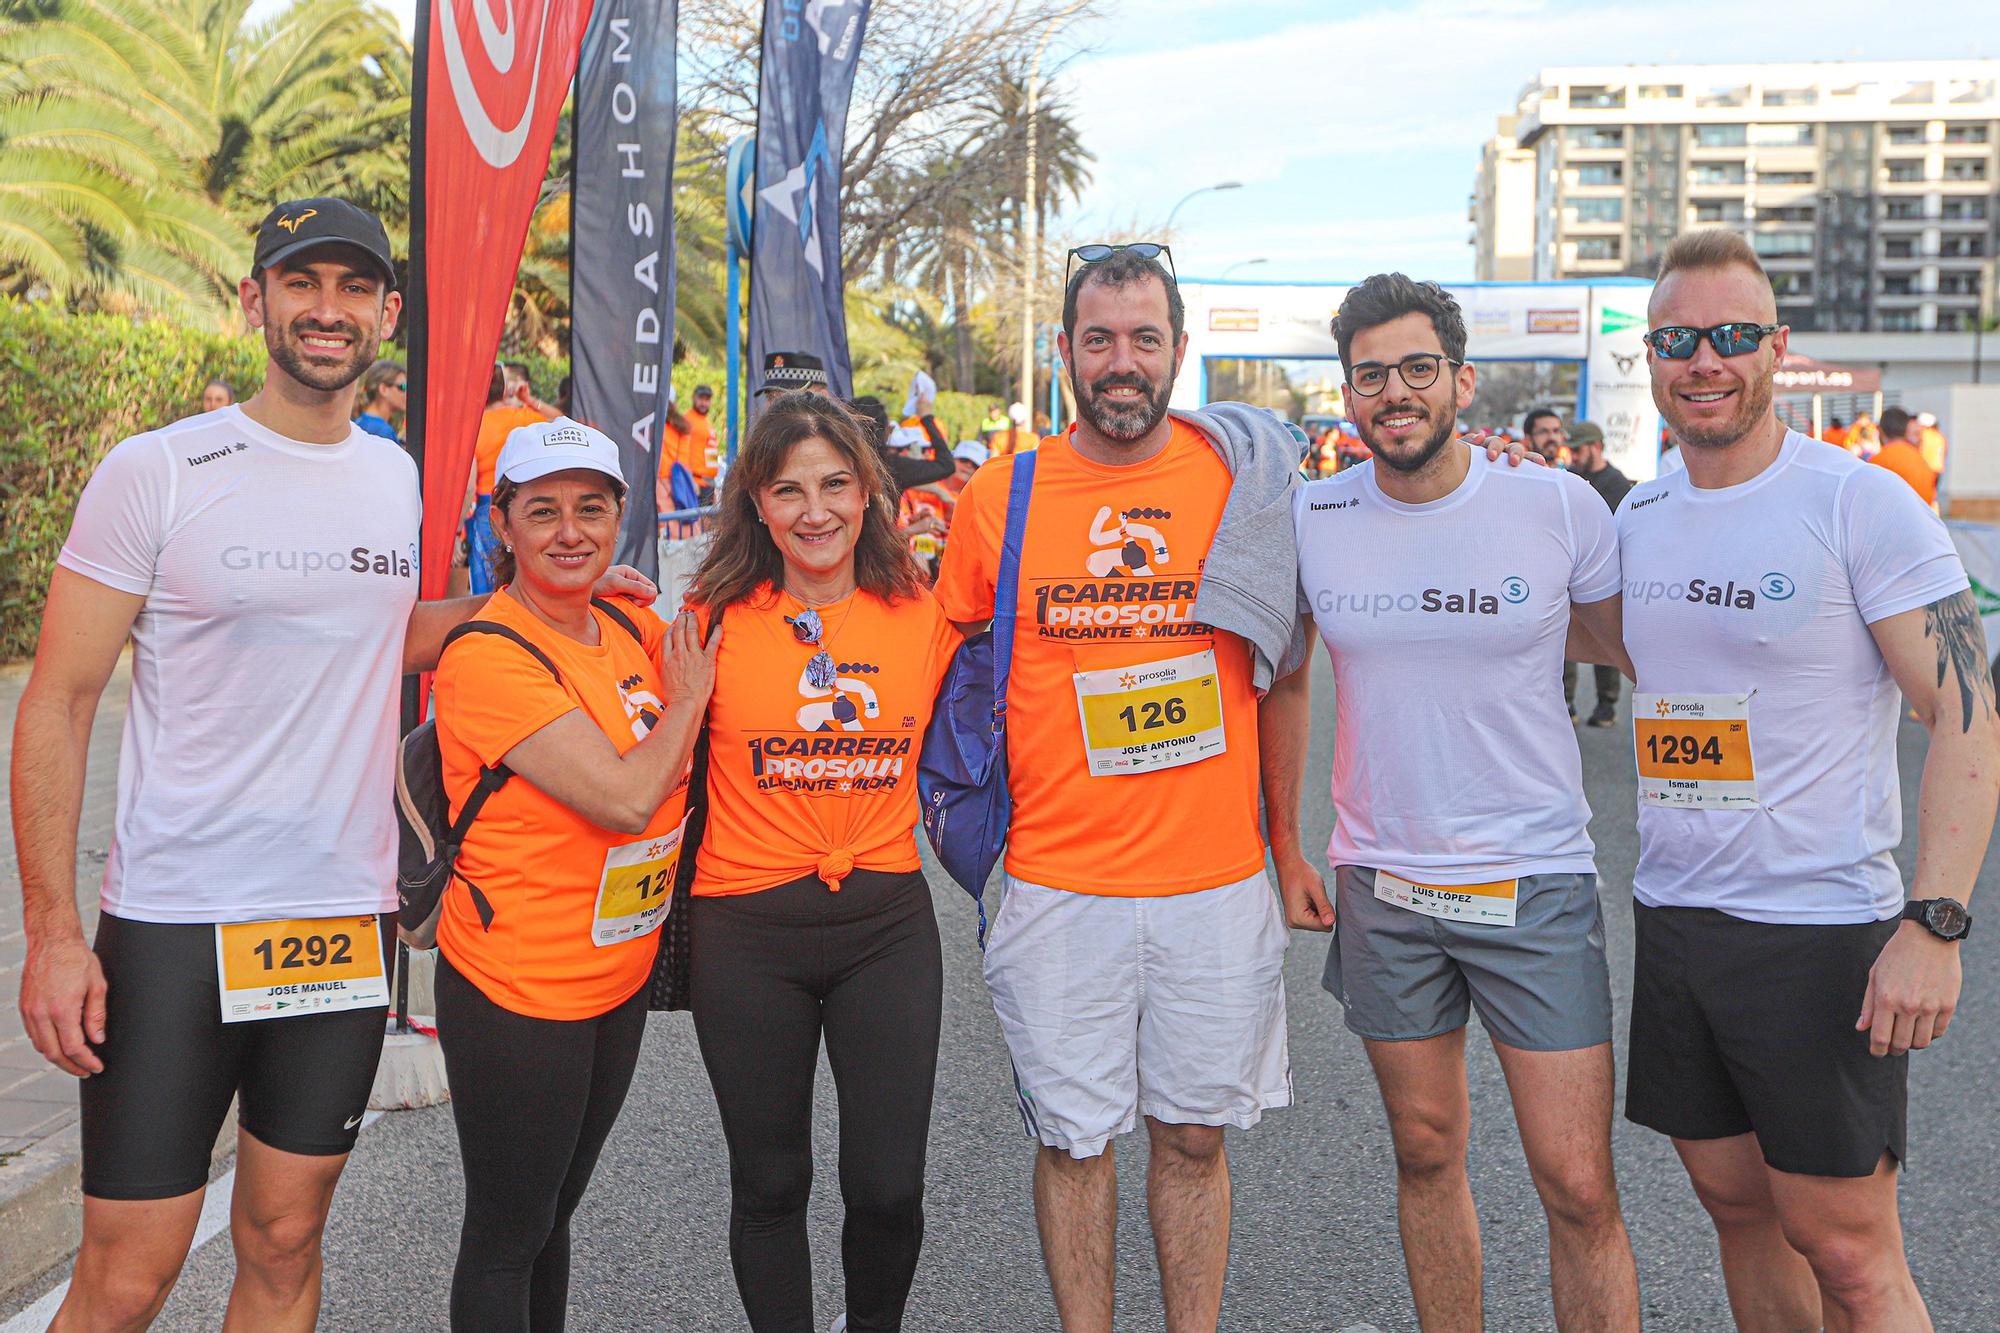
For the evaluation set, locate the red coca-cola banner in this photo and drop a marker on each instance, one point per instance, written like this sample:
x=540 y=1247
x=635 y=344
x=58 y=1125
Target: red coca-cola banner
x=491 y=76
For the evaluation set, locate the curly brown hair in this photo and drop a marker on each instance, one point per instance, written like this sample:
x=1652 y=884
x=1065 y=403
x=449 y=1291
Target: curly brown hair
x=742 y=557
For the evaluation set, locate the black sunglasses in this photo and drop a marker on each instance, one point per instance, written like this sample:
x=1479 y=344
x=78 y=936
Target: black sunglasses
x=1098 y=253
x=1678 y=342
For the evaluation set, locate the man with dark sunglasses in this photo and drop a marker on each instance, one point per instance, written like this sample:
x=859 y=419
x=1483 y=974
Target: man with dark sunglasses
x=1778 y=593
x=1465 y=877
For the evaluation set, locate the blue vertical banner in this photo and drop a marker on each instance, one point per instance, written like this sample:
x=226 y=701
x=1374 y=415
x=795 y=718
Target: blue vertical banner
x=622 y=248
x=811 y=50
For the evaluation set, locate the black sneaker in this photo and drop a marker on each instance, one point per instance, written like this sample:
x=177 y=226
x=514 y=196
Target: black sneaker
x=1605 y=715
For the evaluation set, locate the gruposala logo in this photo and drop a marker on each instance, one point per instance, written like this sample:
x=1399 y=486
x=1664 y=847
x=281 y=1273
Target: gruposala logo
x=485 y=93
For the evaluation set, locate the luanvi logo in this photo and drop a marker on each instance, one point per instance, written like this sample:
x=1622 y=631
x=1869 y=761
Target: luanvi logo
x=1650 y=500
x=1349 y=503
x=224 y=452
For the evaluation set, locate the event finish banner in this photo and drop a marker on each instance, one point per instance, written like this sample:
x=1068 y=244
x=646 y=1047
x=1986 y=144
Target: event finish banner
x=810 y=54
x=491 y=76
x=622 y=249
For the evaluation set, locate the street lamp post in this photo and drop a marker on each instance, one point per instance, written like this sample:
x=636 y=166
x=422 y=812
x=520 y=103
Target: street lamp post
x=1206 y=189
x=1030 y=231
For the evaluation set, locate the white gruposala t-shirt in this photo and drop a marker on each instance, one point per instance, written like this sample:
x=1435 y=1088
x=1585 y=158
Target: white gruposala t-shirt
x=1454 y=761
x=1770 y=586
x=256 y=773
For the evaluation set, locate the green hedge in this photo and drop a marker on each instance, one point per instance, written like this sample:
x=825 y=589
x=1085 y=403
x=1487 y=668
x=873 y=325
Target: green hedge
x=70 y=388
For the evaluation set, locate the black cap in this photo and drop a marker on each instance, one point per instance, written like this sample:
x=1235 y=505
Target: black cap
x=704 y=389
x=785 y=371
x=303 y=224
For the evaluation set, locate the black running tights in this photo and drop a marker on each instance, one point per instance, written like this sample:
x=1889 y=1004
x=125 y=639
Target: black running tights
x=534 y=1099
x=771 y=971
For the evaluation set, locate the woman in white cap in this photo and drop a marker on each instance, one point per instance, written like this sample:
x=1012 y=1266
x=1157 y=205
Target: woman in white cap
x=549 y=929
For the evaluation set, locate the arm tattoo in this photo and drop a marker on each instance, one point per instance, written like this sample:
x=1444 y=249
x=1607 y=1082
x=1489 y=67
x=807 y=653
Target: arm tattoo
x=1953 y=623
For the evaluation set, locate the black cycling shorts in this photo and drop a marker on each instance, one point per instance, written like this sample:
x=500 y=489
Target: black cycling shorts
x=1741 y=1026
x=171 y=1065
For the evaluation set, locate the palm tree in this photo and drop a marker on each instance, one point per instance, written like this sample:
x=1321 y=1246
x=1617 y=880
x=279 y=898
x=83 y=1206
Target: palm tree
x=140 y=140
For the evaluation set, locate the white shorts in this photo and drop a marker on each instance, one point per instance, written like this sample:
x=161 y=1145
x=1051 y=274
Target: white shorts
x=1173 y=1006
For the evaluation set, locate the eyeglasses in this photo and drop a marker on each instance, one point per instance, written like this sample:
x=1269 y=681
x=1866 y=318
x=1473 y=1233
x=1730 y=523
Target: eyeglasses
x=1419 y=370
x=808 y=628
x=1678 y=342
x=1097 y=254
x=402 y=388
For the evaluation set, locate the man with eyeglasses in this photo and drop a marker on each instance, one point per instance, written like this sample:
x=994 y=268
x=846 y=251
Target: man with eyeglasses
x=1136 y=962
x=1778 y=592
x=1465 y=877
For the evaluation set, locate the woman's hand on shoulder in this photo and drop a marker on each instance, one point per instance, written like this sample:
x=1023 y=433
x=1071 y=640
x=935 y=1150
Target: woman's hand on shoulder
x=687 y=666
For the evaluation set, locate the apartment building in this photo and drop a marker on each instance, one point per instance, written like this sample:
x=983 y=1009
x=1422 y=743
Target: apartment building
x=1871 y=190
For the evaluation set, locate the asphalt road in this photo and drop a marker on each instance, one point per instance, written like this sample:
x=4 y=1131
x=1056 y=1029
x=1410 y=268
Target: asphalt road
x=1314 y=1245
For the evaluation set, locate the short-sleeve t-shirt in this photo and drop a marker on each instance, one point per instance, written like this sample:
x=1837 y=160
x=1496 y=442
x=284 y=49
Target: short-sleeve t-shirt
x=1767 y=589
x=495 y=425
x=1906 y=460
x=1453 y=759
x=260 y=743
x=537 y=862
x=1111 y=562
x=804 y=779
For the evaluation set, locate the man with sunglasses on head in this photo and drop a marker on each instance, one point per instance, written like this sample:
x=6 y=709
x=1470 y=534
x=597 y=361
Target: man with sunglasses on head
x=1136 y=960
x=1778 y=592
x=1465 y=877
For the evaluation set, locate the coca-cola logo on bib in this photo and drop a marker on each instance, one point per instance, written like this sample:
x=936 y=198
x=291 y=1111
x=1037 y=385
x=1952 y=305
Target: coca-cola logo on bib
x=496 y=76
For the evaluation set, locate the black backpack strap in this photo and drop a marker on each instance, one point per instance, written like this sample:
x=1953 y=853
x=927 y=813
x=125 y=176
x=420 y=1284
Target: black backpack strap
x=491 y=779
x=495 y=627
x=617 y=613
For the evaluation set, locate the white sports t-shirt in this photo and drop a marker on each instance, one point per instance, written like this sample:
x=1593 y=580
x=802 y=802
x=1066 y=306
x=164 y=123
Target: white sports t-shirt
x=1770 y=586
x=258 y=761
x=1453 y=757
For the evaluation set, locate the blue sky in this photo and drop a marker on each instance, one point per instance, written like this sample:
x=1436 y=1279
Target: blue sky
x=1355 y=125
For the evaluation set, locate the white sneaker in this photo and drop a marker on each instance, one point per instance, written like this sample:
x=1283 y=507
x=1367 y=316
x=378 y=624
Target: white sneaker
x=839 y=1324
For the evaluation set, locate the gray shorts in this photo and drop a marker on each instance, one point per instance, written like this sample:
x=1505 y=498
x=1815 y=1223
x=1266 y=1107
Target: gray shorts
x=1539 y=985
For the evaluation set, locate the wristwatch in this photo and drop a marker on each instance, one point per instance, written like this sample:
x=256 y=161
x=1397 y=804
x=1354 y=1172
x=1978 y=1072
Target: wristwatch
x=1945 y=918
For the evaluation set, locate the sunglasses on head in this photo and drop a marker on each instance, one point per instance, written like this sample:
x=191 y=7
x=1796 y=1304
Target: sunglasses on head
x=1098 y=253
x=1678 y=342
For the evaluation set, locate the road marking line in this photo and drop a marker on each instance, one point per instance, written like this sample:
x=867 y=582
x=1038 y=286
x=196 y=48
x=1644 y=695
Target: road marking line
x=213 y=1222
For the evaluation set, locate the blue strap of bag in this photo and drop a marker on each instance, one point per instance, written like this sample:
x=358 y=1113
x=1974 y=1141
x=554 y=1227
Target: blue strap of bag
x=1006 y=598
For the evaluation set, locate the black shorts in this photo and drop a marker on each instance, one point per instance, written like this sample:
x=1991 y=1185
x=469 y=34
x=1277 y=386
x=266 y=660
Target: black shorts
x=171 y=1065
x=1741 y=1026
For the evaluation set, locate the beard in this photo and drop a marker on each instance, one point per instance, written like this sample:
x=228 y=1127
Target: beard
x=1120 y=420
x=1441 y=435
x=1753 y=404
x=287 y=348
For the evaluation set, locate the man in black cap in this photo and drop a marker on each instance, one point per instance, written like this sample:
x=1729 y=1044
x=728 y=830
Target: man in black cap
x=785 y=372
x=263 y=560
x=1586 y=459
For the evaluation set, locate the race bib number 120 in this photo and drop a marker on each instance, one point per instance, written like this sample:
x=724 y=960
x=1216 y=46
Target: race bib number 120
x=1694 y=751
x=637 y=889
x=1150 y=715
x=281 y=969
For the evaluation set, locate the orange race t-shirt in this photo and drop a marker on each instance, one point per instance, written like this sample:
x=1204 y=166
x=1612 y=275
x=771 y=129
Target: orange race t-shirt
x=1906 y=460
x=697 y=447
x=539 y=863
x=1110 y=565
x=804 y=780
x=494 y=426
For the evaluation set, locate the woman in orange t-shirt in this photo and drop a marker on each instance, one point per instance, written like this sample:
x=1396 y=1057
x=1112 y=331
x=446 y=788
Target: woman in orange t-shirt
x=548 y=931
x=811 y=915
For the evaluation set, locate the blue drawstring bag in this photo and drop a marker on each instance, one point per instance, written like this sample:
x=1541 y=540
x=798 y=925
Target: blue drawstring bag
x=962 y=771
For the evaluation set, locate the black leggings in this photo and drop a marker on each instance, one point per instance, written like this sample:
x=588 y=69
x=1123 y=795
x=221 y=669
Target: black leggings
x=771 y=971
x=534 y=1099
